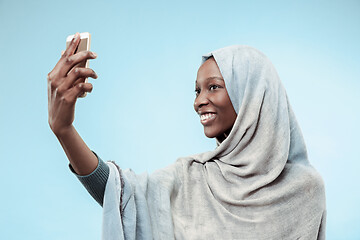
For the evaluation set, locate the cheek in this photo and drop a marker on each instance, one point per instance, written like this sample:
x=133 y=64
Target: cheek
x=223 y=102
x=228 y=114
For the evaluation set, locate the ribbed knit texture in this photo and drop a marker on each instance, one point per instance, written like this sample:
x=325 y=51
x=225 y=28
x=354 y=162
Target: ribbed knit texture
x=95 y=182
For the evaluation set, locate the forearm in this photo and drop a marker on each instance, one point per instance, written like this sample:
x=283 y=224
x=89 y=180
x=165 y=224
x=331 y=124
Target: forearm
x=95 y=182
x=81 y=158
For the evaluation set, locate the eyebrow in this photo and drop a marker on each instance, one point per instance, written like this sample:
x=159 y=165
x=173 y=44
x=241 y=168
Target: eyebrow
x=212 y=78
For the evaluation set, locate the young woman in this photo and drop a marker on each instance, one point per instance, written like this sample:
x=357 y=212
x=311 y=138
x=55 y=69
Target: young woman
x=256 y=184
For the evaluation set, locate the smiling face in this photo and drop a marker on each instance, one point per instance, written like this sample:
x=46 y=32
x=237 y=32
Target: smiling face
x=212 y=101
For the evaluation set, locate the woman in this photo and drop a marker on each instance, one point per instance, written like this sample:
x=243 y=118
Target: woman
x=256 y=184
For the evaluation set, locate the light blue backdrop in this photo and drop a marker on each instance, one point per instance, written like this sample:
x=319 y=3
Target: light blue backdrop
x=140 y=112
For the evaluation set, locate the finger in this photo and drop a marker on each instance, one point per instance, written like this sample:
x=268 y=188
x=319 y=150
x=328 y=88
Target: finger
x=64 y=57
x=62 y=52
x=86 y=87
x=77 y=75
x=77 y=91
x=73 y=45
x=80 y=80
x=71 y=61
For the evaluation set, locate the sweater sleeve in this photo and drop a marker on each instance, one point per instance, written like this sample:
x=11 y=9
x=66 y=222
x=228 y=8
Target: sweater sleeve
x=95 y=182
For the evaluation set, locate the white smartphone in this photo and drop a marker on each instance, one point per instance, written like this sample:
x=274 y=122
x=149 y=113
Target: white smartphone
x=84 y=45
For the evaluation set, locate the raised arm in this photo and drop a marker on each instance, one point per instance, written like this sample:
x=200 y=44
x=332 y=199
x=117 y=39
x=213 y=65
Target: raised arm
x=65 y=84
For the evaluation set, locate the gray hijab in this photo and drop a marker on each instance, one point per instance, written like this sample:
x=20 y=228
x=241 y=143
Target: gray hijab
x=256 y=184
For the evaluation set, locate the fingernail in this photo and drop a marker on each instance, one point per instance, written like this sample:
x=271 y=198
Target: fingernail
x=76 y=36
x=94 y=54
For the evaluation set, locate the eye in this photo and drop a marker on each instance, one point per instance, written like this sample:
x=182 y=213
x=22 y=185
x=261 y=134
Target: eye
x=213 y=87
x=197 y=91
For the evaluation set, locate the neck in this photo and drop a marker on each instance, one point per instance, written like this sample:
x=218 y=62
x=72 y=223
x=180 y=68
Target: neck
x=223 y=136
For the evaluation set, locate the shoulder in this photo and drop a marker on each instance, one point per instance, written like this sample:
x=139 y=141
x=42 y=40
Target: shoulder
x=172 y=176
x=310 y=175
x=309 y=181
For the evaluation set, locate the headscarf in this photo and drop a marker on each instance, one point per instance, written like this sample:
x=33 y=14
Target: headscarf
x=256 y=184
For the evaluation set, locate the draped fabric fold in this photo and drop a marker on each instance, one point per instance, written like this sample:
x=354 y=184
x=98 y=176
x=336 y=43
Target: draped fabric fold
x=256 y=184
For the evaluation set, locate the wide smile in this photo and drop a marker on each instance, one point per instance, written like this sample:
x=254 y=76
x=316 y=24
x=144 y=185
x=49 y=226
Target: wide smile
x=207 y=118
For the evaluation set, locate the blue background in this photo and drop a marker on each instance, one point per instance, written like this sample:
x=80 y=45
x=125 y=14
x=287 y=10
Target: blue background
x=140 y=112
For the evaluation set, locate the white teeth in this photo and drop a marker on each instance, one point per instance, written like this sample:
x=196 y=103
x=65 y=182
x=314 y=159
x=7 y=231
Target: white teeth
x=206 y=116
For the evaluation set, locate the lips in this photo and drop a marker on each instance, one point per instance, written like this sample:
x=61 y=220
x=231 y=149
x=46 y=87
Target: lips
x=207 y=118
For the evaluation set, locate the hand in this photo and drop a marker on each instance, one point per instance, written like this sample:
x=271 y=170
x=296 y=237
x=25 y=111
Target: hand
x=65 y=84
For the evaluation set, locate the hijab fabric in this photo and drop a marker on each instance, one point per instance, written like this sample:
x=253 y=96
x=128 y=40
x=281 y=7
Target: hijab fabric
x=256 y=184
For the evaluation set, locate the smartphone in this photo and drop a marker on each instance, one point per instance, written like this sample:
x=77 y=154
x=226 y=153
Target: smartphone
x=84 y=45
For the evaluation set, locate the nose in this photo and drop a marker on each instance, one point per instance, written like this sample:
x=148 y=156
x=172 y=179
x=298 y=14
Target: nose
x=200 y=101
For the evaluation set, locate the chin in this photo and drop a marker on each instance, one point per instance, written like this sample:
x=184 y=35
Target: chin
x=210 y=134
x=220 y=135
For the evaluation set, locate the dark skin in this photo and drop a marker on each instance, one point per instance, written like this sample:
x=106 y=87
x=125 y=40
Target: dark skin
x=66 y=83
x=212 y=101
